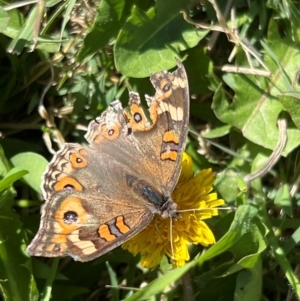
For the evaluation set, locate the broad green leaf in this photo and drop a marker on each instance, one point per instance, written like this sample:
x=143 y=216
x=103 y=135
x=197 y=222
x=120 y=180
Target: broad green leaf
x=292 y=105
x=4 y=19
x=239 y=227
x=249 y=284
x=110 y=17
x=212 y=286
x=150 y=41
x=227 y=184
x=12 y=176
x=218 y=132
x=247 y=251
x=36 y=166
x=25 y=35
x=198 y=66
x=255 y=107
x=258 y=162
x=16 y=20
x=250 y=261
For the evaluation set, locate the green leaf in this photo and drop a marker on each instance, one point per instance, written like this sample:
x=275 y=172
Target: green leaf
x=227 y=184
x=160 y=284
x=218 y=132
x=255 y=107
x=36 y=166
x=239 y=227
x=197 y=66
x=67 y=16
x=25 y=35
x=150 y=41
x=4 y=164
x=12 y=176
x=258 y=162
x=292 y=105
x=110 y=17
x=17 y=282
x=247 y=251
x=249 y=284
x=4 y=19
x=113 y=281
x=46 y=294
x=15 y=22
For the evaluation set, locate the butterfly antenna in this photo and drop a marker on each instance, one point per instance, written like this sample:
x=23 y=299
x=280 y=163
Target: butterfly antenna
x=171 y=240
x=200 y=209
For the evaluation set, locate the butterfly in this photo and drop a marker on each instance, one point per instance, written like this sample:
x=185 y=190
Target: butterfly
x=100 y=195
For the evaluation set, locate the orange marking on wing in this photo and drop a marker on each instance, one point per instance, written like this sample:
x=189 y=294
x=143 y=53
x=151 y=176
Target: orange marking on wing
x=78 y=161
x=63 y=182
x=170 y=136
x=140 y=125
x=70 y=204
x=126 y=115
x=105 y=233
x=111 y=132
x=120 y=224
x=59 y=239
x=163 y=82
x=63 y=229
x=134 y=108
x=169 y=155
x=165 y=94
x=153 y=112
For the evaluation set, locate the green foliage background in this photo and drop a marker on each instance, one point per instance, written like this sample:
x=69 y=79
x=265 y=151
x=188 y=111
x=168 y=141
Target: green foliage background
x=63 y=62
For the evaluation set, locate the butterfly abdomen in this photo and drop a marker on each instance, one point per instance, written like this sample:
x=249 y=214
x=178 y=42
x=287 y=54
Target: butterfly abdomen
x=159 y=202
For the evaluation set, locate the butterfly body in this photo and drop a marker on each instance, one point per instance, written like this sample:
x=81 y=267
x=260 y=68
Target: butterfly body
x=99 y=196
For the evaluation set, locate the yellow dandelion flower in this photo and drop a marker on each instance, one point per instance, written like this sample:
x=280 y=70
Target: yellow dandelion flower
x=191 y=193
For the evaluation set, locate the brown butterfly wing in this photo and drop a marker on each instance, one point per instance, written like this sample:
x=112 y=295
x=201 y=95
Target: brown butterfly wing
x=89 y=210
x=152 y=148
x=99 y=196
